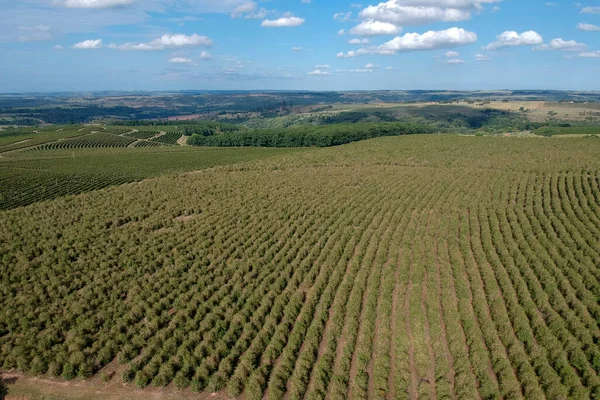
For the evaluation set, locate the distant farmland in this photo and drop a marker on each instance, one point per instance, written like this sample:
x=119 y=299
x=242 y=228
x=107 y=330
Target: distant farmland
x=427 y=266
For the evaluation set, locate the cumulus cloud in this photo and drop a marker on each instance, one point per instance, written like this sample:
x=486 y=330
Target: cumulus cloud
x=482 y=57
x=373 y=28
x=452 y=54
x=430 y=40
x=88 y=44
x=512 y=39
x=563 y=45
x=166 y=41
x=180 y=60
x=590 y=10
x=407 y=15
x=342 y=32
x=455 y=61
x=93 y=3
x=588 y=27
x=206 y=55
x=282 y=22
x=448 y=38
x=58 y=47
x=371 y=66
x=359 y=41
x=319 y=72
x=351 y=53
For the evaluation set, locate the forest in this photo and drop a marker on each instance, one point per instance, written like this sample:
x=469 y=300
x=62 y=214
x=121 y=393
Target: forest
x=314 y=136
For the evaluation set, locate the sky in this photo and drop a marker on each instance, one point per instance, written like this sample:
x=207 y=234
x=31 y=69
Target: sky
x=95 y=45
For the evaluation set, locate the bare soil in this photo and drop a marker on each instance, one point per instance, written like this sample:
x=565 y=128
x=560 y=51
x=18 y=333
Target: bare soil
x=21 y=387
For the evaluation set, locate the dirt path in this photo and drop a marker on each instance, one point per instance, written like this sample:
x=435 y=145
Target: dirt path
x=134 y=144
x=21 y=387
x=21 y=142
x=182 y=141
x=431 y=372
x=393 y=327
x=159 y=134
x=414 y=379
x=444 y=338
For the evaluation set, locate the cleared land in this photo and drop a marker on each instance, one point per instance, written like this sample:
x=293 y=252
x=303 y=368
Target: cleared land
x=418 y=266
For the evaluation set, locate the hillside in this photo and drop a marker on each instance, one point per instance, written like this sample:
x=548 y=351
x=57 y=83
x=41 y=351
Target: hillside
x=430 y=266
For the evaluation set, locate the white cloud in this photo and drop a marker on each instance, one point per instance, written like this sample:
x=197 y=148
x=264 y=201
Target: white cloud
x=322 y=66
x=452 y=54
x=512 y=39
x=371 y=66
x=359 y=71
x=482 y=57
x=551 y=4
x=206 y=55
x=88 y=44
x=359 y=41
x=455 y=61
x=389 y=68
x=34 y=33
x=427 y=41
x=395 y=13
x=282 y=22
x=180 y=60
x=93 y=3
x=590 y=54
x=350 y=54
x=167 y=41
x=563 y=45
x=245 y=8
x=341 y=16
x=297 y=48
x=260 y=14
x=319 y=72
x=588 y=27
x=342 y=32
x=590 y=10
x=58 y=47
x=372 y=28
x=355 y=5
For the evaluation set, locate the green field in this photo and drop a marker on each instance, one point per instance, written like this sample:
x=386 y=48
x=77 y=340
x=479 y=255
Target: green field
x=30 y=176
x=426 y=266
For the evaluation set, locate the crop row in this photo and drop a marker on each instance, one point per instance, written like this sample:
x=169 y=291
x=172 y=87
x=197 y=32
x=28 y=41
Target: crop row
x=93 y=140
x=168 y=138
x=338 y=280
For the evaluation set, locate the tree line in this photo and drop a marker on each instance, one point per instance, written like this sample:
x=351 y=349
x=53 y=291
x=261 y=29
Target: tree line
x=309 y=136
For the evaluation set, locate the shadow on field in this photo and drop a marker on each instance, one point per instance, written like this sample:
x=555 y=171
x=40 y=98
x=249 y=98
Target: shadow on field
x=4 y=382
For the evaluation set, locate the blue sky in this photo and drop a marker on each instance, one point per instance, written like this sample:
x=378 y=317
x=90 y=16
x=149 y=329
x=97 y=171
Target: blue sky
x=86 y=45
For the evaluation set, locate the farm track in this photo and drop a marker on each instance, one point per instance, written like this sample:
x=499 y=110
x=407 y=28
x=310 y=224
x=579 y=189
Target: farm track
x=337 y=279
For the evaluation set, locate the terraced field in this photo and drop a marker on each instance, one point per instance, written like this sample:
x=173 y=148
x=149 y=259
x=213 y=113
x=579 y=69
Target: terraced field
x=93 y=140
x=404 y=267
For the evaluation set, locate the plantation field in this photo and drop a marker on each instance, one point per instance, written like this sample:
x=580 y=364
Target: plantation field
x=427 y=266
x=41 y=174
